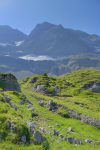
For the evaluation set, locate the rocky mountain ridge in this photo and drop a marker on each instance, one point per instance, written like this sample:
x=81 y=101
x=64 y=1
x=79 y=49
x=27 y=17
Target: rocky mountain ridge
x=48 y=48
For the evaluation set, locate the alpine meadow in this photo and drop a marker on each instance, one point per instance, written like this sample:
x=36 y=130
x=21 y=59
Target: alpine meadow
x=49 y=75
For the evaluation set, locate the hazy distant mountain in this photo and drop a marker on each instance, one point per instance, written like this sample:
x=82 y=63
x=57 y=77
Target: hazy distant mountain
x=47 y=39
x=23 y=68
x=48 y=48
x=55 y=40
x=10 y=39
x=10 y=35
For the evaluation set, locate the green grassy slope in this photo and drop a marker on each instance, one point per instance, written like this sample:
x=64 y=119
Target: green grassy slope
x=65 y=94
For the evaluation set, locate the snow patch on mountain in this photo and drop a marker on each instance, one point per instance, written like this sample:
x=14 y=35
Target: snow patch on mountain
x=18 y=43
x=4 y=44
x=36 y=58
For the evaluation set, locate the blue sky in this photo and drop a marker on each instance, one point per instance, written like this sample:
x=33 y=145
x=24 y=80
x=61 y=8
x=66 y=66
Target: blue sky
x=77 y=14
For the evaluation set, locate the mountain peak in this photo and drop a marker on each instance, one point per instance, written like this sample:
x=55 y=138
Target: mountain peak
x=48 y=25
x=9 y=34
x=44 y=26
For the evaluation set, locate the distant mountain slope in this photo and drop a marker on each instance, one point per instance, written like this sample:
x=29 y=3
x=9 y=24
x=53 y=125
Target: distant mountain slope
x=65 y=50
x=23 y=68
x=55 y=40
x=48 y=39
x=10 y=39
x=10 y=35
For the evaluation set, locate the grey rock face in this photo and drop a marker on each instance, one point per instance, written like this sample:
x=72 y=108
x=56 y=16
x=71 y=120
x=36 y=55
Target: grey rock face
x=9 y=83
x=11 y=126
x=43 y=90
x=56 y=132
x=74 y=114
x=40 y=89
x=90 y=121
x=69 y=130
x=22 y=102
x=42 y=130
x=41 y=103
x=93 y=86
x=73 y=141
x=23 y=139
x=8 y=100
x=83 y=118
x=52 y=106
x=31 y=126
x=38 y=137
x=88 y=141
x=30 y=107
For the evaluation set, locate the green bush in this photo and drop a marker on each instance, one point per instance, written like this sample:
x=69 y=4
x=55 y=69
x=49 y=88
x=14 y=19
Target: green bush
x=63 y=112
x=21 y=130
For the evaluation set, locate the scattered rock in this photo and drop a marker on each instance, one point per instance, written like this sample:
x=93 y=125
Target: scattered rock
x=74 y=114
x=40 y=89
x=46 y=90
x=41 y=103
x=83 y=118
x=88 y=141
x=11 y=126
x=73 y=141
x=70 y=130
x=8 y=100
x=61 y=136
x=56 y=91
x=34 y=80
x=93 y=86
x=56 y=132
x=42 y=130
x=89 y=120
x=22 y=102
x=46 y=145
x=31 y=126
x=52 y=106
x=13 y=105
x=38 y=137
x=23 y=139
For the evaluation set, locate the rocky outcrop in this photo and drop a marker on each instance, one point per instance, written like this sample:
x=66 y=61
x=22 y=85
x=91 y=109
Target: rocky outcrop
x=88 y=141
x=11 y=126
x=93 y=86
x=40 y=89
x=84 y=118
x=23 y=139
x=89 y=120
x=31 y=126
x=56 y=132
x=41 y=102
x=52 y=106
x=8 y=82
x=52 y=91
x=73 y=141
x=8 y=100
x=38 y=137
